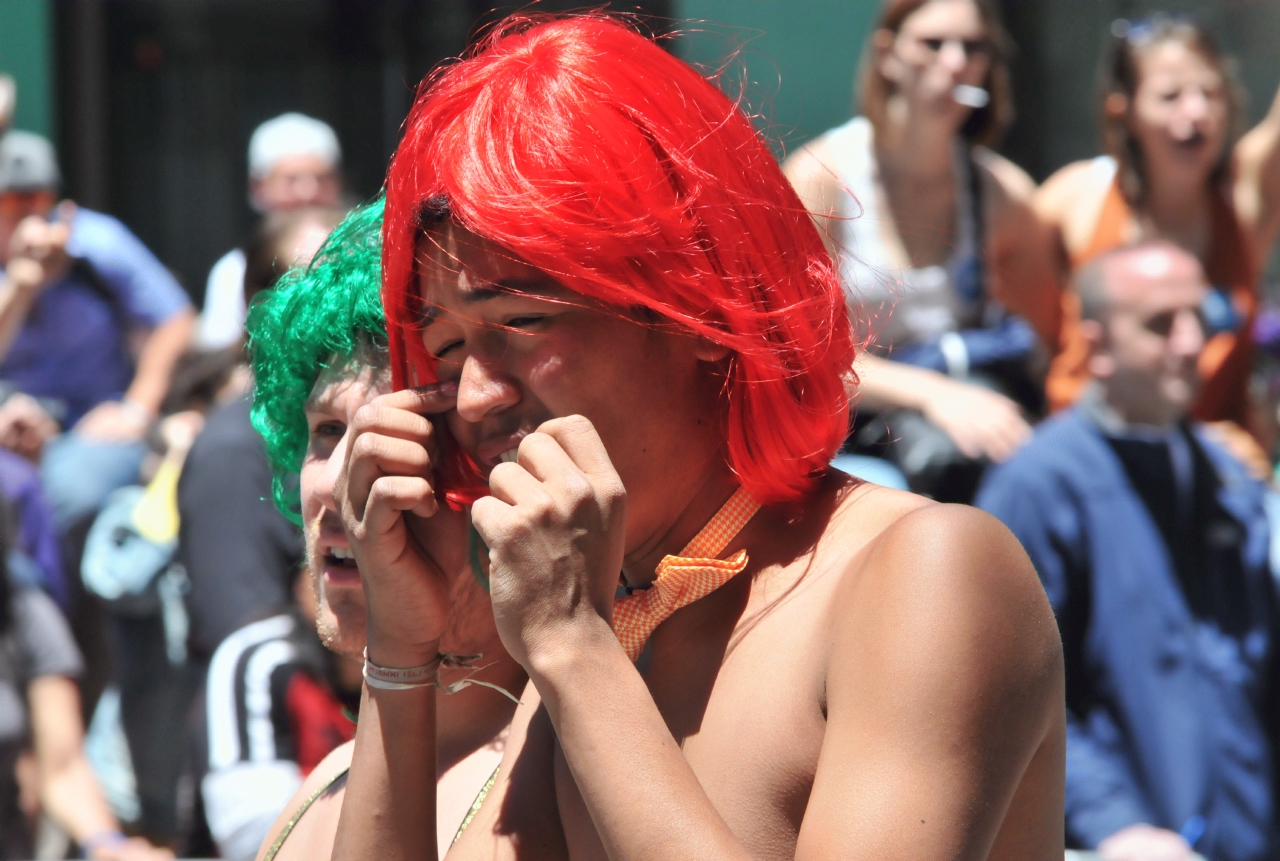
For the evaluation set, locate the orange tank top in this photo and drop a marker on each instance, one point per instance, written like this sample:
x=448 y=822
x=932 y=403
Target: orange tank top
x=1227 y=357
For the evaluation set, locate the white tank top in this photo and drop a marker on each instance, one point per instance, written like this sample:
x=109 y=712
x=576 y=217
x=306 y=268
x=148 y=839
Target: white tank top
x=896 y=305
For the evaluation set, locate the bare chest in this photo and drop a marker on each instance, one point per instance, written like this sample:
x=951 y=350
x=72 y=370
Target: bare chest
x=748 y=712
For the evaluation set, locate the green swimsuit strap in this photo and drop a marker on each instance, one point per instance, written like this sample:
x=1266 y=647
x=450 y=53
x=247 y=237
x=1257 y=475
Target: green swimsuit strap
x=475 y=805
x=297 y=814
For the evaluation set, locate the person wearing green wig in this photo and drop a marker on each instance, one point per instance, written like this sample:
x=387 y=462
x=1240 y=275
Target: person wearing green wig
x=318 y=345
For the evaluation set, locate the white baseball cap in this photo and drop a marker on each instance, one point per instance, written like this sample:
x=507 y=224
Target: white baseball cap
x=288 y=135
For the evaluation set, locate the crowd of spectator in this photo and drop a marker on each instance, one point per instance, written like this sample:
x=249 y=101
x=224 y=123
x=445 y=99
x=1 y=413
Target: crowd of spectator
x=1074 y=358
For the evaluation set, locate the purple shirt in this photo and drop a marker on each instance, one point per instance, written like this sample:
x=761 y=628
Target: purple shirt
x=73 y=345
x=37 y=538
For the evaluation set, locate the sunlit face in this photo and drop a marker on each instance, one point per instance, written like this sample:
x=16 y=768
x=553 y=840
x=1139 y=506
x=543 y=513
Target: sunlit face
x=1154 y=334
x=338 y=394
x=523 y=350
x=296 y=181
x=940 y=45
x=1179 y=114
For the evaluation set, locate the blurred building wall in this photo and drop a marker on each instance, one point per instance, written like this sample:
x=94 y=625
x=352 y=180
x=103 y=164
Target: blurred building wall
x=152 y=103
x=26 y=53
x=157 y=100
x=797 y=58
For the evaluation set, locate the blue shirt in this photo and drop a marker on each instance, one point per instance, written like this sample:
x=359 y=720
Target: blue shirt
x=1170 y=718
x=73 y=346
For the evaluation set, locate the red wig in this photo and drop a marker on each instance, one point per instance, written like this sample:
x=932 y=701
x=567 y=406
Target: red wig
x=585 y=149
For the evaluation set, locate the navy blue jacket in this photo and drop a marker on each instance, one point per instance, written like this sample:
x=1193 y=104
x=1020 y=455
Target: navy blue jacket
x=1169 y=715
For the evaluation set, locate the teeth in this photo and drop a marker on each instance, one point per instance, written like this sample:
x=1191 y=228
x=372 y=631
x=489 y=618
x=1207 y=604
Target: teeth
x=509 y=456
x=341 y=553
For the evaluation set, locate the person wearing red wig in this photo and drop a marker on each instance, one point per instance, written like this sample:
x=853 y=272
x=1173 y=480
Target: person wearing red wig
x=618 y=336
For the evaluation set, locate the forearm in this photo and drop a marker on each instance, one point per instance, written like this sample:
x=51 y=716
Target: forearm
x=389 y=809
x=623 y=758
x=70 y=795
x=883 y=384
x=159 y=356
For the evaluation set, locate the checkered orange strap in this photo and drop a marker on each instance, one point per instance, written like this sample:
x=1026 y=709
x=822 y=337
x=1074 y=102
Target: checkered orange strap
x=683 y=579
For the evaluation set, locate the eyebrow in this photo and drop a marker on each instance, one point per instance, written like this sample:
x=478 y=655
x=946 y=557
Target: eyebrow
x=493 y=290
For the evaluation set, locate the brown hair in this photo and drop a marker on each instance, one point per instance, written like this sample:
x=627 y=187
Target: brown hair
x=985 y=126
x=1121 y=72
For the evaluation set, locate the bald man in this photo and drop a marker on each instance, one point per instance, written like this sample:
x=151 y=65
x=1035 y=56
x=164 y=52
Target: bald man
x=1152 y=545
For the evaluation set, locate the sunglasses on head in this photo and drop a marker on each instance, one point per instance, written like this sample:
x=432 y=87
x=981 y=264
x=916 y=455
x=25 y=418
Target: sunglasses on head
x=1140 y=33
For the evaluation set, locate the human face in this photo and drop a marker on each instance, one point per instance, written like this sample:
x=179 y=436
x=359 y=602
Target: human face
x=524 y=350
x=1179 y=114
x=1154 y=335
x=338 y=394
x=940 y=45
x=295 y=181
x=17 y=205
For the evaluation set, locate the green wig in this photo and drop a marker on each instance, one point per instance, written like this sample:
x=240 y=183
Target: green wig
x=321 y=316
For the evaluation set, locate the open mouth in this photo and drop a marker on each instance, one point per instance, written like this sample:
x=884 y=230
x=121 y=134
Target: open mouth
x=339 y=561
x=1194 y=142
x=509 y=456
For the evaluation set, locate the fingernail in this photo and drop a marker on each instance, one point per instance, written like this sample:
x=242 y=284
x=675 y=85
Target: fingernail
x=446 y=388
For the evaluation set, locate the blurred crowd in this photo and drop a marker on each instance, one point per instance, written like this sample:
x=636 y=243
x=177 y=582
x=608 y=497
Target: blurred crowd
x=1081 y=359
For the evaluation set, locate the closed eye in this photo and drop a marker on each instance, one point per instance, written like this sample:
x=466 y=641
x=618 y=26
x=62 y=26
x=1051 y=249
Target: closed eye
x=446 y=349
x=526 y=322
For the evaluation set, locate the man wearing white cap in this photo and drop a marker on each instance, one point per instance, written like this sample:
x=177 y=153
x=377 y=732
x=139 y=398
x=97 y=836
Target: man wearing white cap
x=293 y=162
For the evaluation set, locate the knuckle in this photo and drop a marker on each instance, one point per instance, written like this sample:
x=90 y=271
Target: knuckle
x=366 y=446
x=367 y=416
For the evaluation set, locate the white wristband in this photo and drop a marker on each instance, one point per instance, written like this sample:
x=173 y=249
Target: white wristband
x=401 y=678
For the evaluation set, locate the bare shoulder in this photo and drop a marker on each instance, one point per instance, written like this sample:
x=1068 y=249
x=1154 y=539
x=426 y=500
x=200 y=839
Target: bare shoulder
x=954 y=579
x=324 y=774
x=1005 y=177
x=1065 y=191
x=811 y=171
x=1071 y=200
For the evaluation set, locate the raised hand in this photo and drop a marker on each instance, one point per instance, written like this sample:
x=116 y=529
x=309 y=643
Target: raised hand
x=38 y=250
x=387 y=479
x=980 y=421
x=555 y=527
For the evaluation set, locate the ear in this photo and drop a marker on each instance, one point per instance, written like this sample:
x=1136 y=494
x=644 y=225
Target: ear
x=1116 y=106
x=709 y=351
x=1101 y=363
x=885 y=63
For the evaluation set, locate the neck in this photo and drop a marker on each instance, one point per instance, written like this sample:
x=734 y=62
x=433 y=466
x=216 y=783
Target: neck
x=476 y=715
x=1178 y=207
x=1125 y=412
x=913 y=142
x=709 y=496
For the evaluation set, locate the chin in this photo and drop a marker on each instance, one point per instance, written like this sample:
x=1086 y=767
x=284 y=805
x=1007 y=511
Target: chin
x=342 y=633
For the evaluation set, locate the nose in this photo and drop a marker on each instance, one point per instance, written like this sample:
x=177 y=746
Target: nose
x=305 y=188
x=953 y=55
x=329 y=477
x=482 y=389
x=1187 y=338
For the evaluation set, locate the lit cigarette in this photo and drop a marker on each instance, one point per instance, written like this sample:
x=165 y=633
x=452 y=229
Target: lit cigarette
x=971 y=96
